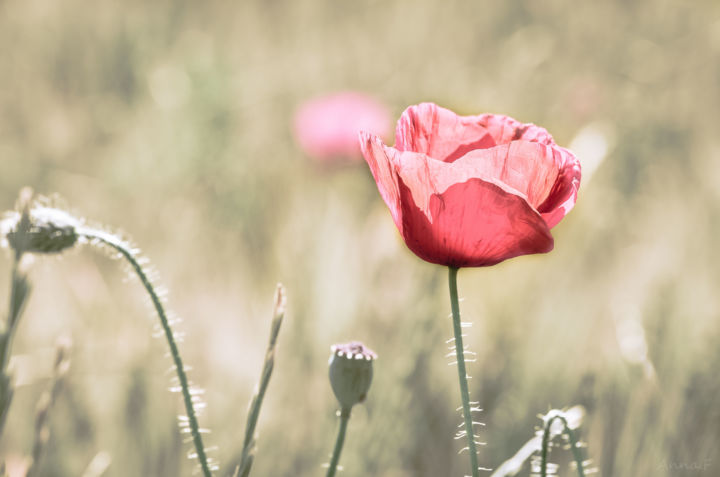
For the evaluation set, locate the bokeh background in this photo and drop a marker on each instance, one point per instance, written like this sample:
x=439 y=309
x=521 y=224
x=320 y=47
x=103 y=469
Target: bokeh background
x=171 y=121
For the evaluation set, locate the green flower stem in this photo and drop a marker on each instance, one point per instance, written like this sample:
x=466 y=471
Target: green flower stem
x=574 y=445
x=344 y=418
x=126 y=251
x=462 y=374
x=12 y=317
x=19 y=291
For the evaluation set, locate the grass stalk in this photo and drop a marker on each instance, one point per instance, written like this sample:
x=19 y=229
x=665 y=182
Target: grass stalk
x=249 y=443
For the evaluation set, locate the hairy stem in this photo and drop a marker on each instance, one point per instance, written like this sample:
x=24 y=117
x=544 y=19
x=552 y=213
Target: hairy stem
x=462 y=374
x=127 y=252
x=344 y=418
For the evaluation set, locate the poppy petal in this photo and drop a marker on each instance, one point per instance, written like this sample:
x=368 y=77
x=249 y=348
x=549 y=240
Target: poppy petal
x=563 y=195
x=472 y=224
x=505 y=129
x=528 y=167
x=439 y=133
x=378 y=157
x=425 y=176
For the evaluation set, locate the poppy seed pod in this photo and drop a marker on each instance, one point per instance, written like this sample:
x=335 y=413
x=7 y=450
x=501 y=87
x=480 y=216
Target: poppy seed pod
x=351 y=371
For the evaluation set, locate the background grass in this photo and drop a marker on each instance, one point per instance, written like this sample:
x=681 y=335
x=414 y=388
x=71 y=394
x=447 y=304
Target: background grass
x=171 y=121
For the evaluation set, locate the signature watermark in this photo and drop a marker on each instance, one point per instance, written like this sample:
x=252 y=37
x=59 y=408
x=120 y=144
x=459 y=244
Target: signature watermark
x=697 y=466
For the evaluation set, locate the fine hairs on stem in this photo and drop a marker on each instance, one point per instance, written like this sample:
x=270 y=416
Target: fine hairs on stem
x=249 y=444
x=462 y=374
x=129 y=253
x=43 y=229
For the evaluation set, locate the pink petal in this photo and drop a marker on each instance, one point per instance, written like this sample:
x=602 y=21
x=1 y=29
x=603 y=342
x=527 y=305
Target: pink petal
x=444 y=135
x=472 y=224
x=561 y=198
x=528 y=167
x=378 y=157
x=504 y=129
x=425 y=176
x=452 y=216
x=438 y=132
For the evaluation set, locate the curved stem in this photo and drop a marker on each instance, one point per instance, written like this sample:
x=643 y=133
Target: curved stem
x=462 y=374
x=126 y=251
x=544 y=449
x=344 y=418
x=577 y=455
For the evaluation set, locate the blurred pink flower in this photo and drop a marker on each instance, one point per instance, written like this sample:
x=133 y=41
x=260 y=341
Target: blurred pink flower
x=327 y=127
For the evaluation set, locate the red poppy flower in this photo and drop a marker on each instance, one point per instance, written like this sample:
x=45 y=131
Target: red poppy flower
x=472 y=191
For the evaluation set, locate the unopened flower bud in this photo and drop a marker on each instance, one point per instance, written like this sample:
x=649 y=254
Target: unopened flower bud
x=40 y=230
x=351 y=371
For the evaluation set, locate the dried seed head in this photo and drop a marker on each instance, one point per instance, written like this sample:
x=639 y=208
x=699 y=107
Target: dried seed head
x=351 y=371
x=40 y=229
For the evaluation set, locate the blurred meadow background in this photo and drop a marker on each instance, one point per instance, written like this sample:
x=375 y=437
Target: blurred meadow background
x=171 y=121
